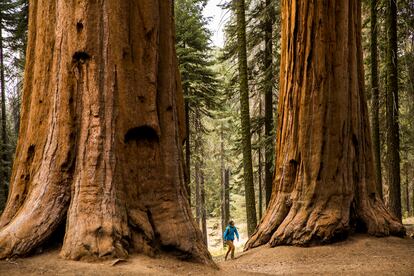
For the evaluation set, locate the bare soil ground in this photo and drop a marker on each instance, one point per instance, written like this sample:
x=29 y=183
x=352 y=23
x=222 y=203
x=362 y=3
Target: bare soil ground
x=359 y=255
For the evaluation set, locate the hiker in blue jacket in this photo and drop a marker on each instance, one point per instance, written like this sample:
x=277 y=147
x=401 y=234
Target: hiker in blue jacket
x=228 y=237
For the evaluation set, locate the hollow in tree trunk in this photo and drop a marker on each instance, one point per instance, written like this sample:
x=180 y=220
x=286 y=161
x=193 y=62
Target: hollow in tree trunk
x=325 y=181
x=101 y=134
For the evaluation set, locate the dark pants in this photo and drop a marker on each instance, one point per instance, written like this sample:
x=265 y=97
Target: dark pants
x=231 y=249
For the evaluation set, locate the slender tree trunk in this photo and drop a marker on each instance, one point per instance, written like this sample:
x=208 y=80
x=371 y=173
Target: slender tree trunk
x=375 y=98
x=197 y=169
x=16 y=110
x=198 y=193
x=410 y=67
x=412 y=191
x=269 y=127
x=407 y=190
x=224 y=219
x=227 y=194
x=226 y=200
x=101 y=135
x=260 y=183
x=324 y=186
x=260 y=170
x=203 y=208
x=393 y=137
x=245 y=118
x=187 y=150
x=4 y=135
x=4 y=143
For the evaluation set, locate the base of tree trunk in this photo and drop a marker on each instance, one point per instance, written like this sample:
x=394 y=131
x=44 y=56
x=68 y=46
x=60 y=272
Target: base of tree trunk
x=314 y=223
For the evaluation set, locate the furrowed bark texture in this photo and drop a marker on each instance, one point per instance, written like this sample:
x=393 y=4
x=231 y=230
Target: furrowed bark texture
x=101 y=135
x=325 y=182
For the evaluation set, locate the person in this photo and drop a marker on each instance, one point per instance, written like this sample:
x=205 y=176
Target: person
x=228 y=237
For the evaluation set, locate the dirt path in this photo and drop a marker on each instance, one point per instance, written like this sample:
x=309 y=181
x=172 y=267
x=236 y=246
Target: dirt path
x=358 y=255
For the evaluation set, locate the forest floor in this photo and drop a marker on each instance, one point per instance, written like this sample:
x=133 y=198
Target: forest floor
x=359 y=255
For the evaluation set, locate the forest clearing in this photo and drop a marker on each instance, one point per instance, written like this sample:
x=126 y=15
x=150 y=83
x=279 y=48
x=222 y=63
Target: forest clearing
x=206 y=137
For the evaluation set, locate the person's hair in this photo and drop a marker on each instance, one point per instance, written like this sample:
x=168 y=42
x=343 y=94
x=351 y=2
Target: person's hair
x=231 y=222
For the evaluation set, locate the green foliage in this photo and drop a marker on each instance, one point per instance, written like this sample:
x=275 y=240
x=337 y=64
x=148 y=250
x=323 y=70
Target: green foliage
x=406 y=88
x=203 y=93
x=257 y=13
x=13 y=34
x=195 y=57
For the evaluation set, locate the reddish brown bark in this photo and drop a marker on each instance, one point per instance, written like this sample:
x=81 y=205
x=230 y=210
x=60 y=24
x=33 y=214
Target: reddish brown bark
x=325 y=186
x=101 y=133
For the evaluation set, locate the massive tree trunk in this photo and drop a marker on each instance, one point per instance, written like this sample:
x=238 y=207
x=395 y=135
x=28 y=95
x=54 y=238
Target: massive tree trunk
x=325 y=182
x=245 y=117
x=101 y=134
x=392 y=107
x=269 y=128
x=376 y=143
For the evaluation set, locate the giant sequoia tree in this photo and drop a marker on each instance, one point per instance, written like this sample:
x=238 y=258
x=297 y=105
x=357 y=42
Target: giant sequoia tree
x=325 y=182
x=101 y=134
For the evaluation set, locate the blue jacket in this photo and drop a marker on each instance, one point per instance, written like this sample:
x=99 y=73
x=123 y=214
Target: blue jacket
x=229 y=233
